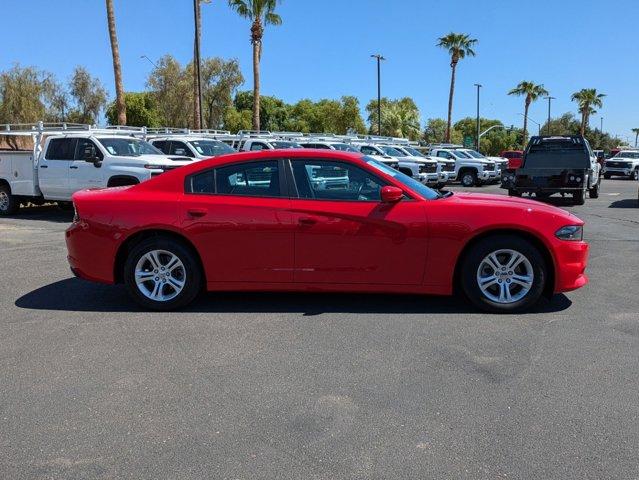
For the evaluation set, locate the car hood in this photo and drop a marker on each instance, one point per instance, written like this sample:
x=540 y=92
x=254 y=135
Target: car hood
x=488 y=200
x=163 y=160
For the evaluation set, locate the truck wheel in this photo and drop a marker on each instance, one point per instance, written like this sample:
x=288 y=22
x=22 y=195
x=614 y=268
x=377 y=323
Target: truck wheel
x=503 y=274
x=9 y=204
x=162 y=274
x=594 y=191
x=469 y=178
x=513 y=193
x=607 y=176
x=579 y=198
x=635 y=174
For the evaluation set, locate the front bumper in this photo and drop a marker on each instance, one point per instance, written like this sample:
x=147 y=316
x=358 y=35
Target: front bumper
x=626 y=172
x=429 y=178
x=571 y=259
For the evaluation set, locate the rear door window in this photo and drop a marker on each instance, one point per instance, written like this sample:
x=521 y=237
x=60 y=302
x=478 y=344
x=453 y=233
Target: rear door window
x=61 y=149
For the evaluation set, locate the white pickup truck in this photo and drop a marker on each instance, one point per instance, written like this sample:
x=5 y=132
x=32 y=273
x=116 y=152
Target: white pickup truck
x=66 y=160
x=470 y=171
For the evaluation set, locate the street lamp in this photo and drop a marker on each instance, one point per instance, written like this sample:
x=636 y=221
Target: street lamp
x=478 y=85
x=550 y=99
x=536 y=123
x=379 y=58
x=150 y=61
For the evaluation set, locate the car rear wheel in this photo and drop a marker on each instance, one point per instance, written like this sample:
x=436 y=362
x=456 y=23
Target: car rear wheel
x=504 y=274
x=594 y=191
x=635 y=174
x=607 y=176
x=513 y=193
x=162 y=274
x=469 y=179
x=8 y=203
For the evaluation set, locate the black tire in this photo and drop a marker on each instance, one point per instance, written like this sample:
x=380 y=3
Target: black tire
x=9 y=204
x=191 y=273
x=635 y=174
x=579 y=198
x=473 y=259
x=513 y=193
x=607 y=176
x=469 y=178
x=594 y=191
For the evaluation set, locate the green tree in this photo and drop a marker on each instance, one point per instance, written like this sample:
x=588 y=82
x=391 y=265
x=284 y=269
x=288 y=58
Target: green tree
x=220 y=81
x=235 y=120
x=117 y=66
x=531 y=93
x=400 y=118
x=259 y=13
x=89 y=97
x=171 y=91
x=459 y=46
x=141 y=110
x=587 y=100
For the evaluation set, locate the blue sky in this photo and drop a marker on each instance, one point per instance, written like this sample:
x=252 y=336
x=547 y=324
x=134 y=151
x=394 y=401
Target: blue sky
x=323 y=48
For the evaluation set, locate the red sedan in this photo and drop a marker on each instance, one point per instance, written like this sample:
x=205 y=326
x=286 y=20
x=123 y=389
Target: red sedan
x=320 y=220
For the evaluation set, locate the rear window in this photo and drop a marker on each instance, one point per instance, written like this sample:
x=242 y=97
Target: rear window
x=560 y=152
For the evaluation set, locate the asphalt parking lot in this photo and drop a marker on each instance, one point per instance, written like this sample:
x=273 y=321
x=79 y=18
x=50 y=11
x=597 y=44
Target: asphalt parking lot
x=252 y=386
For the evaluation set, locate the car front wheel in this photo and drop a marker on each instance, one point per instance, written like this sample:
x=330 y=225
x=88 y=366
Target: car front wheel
x=504 y=274
x=162 y=274
x=469 y=179
x=8 y=203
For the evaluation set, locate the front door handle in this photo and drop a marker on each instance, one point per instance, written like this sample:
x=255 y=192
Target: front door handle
x=74 y=167
x=307 y=221
x=44 y=166
x=197 y=212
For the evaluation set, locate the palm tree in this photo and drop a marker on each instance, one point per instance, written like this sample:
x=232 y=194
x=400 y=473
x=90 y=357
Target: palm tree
x=532 y=92
x=197 y=88
x=636 y=132
x=260 y=13
x=587 y=99
x=120 y=104
x=459 y=45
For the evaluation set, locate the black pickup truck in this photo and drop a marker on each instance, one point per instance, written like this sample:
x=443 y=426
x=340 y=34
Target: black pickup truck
x=556 y=164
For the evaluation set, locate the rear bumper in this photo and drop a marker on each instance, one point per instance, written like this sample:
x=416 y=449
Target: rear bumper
x=571 y=259
x=90 y=256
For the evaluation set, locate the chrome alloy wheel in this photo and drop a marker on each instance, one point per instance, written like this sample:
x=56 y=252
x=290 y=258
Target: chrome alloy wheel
x=160 y=275
x=4 y=201
x=505 y=276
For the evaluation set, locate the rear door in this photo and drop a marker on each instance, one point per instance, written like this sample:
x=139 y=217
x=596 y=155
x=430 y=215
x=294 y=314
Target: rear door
x=54 y=168
x=238 y=217
x=82 y=173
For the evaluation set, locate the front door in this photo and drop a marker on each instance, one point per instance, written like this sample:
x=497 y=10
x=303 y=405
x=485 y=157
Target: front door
x=238 y=216
x=54 y=168
x=85 y=174
x=346 y=235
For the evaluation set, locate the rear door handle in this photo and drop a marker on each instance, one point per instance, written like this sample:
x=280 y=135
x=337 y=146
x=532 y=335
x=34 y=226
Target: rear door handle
x=74 y=167
x=197 y=212
x=307 y=221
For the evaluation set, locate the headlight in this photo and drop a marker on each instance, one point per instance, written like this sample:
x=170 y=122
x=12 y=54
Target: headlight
x=572 y=233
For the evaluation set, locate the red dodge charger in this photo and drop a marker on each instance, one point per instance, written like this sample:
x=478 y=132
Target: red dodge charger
x=319 y=220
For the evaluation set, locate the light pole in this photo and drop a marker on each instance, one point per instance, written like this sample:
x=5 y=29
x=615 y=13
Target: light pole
x=379 y=58
x=478 y=85
x=198 y=60
x=550 y=99
x=601 y=125
x=150 y=61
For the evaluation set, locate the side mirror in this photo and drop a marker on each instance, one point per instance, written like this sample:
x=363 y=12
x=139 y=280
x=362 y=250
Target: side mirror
x=391 y=194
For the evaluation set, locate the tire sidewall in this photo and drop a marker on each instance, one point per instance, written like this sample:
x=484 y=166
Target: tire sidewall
x=472 y=176
x=507 y=242
x=193 y=275
x=13 y=203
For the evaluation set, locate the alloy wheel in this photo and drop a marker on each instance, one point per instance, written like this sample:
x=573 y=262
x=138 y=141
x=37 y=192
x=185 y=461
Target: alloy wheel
x=505 y=276
x=160 y=275
x=4 y=201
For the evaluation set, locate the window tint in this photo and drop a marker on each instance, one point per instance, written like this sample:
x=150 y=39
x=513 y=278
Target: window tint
x=61 y=149
x=444 y=154
x=180 y=148
x=162 y=145
x=368 y=150
x=258 y=146
x=256 y=179
x=87 y=149
x=329 y=180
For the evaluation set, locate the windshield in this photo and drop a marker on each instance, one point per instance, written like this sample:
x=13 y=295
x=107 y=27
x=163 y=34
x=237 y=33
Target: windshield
x=460 y=154
x=281 y=145
x=474 y=153
x=128 y=147
x=392 y=152
x=414 y=185
x=212 y=148
x=414 y=152
x=627 y=155
x=343 y=147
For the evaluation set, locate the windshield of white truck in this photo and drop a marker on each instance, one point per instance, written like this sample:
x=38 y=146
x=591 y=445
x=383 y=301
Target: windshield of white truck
x=128 y=147
x=211 y=148
x=391 y=152
x=474 y=153
x=414 y=152
x=627 y=155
